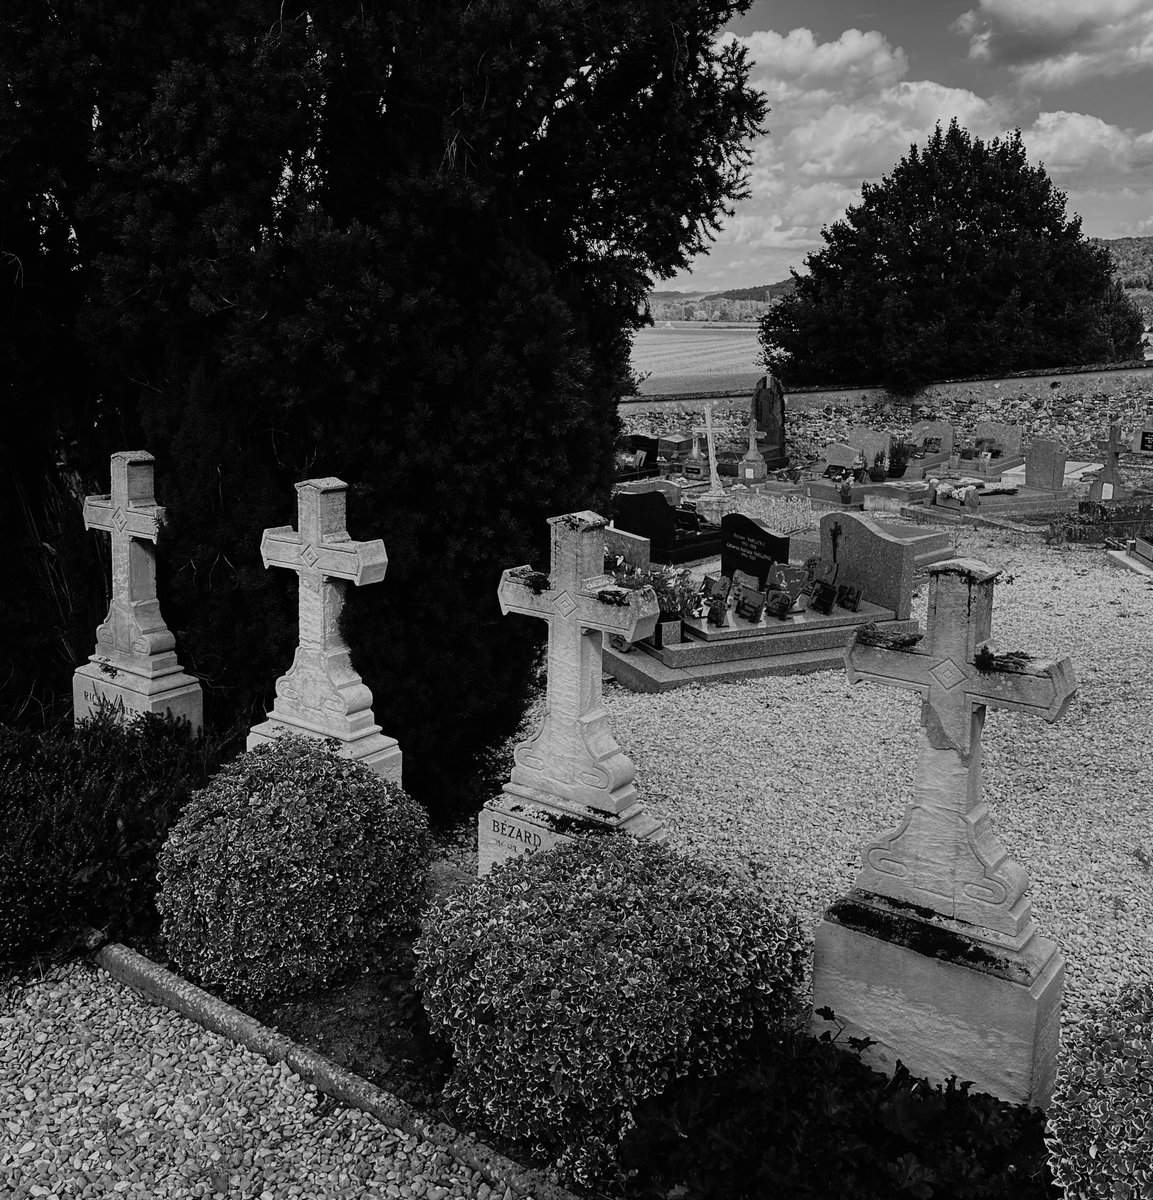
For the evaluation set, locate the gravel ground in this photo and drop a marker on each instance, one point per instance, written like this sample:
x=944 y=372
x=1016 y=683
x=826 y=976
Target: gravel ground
x=104 y=1094
x=781 y=780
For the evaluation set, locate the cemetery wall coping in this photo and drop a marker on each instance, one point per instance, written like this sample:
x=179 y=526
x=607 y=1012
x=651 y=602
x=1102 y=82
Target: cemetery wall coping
x=163 y=986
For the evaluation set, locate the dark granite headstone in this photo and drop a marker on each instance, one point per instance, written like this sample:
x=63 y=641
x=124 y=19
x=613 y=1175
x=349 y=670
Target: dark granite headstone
x=750 y=546
x=868 y=556
x=769 y=414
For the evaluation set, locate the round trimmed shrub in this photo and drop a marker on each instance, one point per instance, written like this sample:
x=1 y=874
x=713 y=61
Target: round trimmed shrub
x=573 y=984
x=1099 y=1125
x=288 y=867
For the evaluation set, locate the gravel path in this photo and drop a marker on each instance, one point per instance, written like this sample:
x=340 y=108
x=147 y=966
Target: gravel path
x=783 y=779
x=104 y=1094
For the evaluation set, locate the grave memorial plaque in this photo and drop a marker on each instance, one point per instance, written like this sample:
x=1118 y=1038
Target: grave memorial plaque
x=750 y=604
x=779 y=604
x=788 y=579
x=750 y=546
x=849 y=597
x=824 y=597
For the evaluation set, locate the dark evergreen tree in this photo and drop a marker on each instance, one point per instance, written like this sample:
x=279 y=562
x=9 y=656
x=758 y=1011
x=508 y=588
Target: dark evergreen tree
x=960 y=262
x=400 y=243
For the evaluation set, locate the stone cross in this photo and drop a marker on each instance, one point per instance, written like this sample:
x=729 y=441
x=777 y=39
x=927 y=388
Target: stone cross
x=322 y=695
x=573 y=755
x=134 y=666
x=944 y=855
x=716 y=488
x=1109 y=476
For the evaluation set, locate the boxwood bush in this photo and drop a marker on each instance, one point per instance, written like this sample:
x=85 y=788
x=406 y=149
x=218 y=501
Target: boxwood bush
x=1100 y=1120
x=84 y=811
x=288 y=868
x=574 y=983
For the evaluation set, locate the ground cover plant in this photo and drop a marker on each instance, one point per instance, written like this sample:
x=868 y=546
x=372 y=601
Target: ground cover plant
x=85 y=810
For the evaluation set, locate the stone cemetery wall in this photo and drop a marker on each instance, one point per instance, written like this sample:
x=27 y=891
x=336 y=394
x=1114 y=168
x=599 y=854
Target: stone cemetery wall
x=1075 y=406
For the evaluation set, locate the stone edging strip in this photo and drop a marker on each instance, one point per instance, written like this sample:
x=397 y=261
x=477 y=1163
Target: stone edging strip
x=162 y=986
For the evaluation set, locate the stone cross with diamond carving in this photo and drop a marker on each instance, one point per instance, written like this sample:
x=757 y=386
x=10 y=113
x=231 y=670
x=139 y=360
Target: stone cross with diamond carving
x=944 y=855
x=134 y=667
x=322 y=695
x=573 y=755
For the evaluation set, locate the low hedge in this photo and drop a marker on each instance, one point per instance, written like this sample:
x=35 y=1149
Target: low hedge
x=84 y=811
x=1100 y=1120
x=574 y=983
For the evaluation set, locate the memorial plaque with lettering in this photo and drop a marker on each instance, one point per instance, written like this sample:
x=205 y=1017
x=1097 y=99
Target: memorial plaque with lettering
x=750 y=604
x=787 y=579
x=849 y=597
x=824 y=597
x=750 y=546
x=779 y=604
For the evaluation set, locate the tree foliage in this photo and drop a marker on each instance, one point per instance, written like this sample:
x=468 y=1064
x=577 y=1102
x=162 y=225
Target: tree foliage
x=400 y=243
x=960 y=262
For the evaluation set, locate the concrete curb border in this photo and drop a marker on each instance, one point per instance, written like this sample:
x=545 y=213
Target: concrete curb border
x=161 y=986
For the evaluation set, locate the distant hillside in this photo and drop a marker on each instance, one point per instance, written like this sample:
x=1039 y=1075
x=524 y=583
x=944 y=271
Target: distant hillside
x=1132 y=259
x=736 y=304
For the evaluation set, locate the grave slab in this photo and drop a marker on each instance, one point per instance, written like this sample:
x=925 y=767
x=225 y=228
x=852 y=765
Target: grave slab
x=134 y=667
x=322 y=695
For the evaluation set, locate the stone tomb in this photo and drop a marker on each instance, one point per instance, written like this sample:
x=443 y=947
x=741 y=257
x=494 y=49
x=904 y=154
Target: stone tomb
x=935 y=954
x=134 y=666
x=570 y=773
x=322 y=695
x=750 y=546
x=1045 y=464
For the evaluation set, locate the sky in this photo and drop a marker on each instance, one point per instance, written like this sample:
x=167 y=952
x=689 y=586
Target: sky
x=852 y=85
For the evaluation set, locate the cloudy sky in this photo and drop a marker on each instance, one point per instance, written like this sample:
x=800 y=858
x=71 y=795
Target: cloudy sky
x=852 y=85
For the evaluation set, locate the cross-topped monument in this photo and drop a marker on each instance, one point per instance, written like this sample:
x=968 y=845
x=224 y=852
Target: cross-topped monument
x=1108 y=485
x=322 y=695
x=939 y=918
x=570 y=772
x=134 y=667
x=753 y=469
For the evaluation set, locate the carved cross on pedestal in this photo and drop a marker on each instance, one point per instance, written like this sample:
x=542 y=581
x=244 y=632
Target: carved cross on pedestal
x=573 y=754
x=716 y=488
x=133 y=629
x=944 y=855
x=1109 y=477
x=322 y=695
x=134 y=667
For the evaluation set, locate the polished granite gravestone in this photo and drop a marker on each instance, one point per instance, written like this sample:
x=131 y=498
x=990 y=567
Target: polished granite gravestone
x=769 y=415
x=935 y=954
x=322 y=695
x=751 y=546
x=134 y=667
x=570 y=774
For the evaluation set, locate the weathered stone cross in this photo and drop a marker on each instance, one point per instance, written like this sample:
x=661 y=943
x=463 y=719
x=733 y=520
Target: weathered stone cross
x=944 y=855
x=573 y=755
x=322 y=695
x=1109 y=476
x=134 y=665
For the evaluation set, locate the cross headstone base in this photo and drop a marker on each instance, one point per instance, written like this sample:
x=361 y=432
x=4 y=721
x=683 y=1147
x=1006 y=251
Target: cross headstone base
x=131 y=692
x=369 y=746
x=524 y=819
x=942 y=1002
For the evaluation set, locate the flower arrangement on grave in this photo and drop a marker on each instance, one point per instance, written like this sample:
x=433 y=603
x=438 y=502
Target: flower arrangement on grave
x=877 y=471
x=899 y=459
x=676 y=592
x=846 y=491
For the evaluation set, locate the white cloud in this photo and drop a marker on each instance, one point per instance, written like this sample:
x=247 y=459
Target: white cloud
x=1054 y=43
x=843 y=112
x=1076 y=145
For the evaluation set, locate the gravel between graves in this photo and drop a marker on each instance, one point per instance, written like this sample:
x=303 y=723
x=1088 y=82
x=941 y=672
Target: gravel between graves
x=781 y=780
